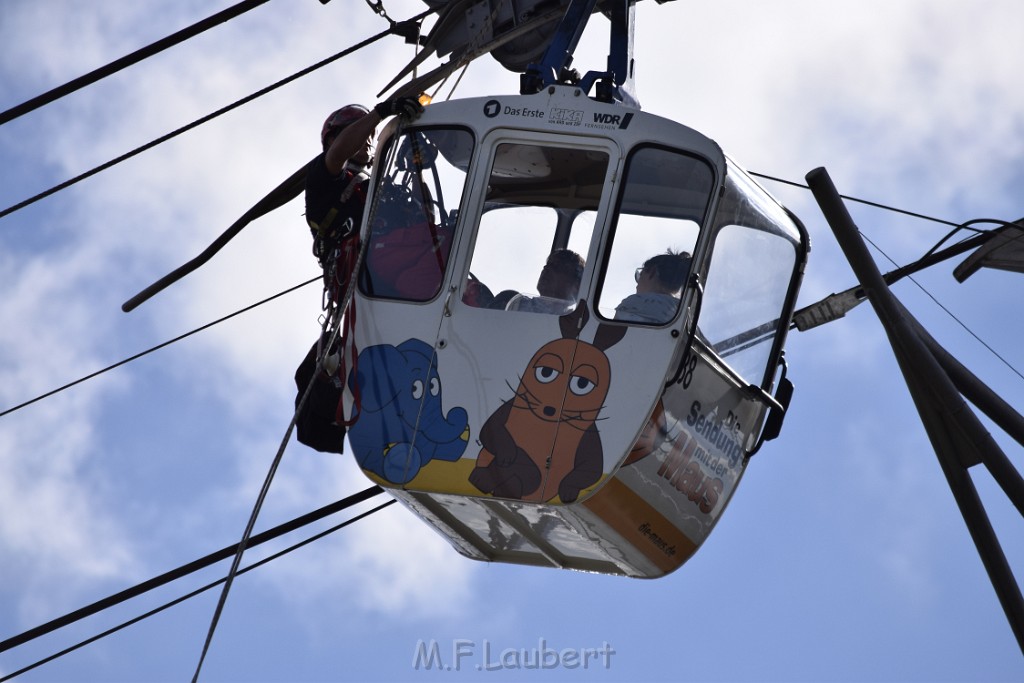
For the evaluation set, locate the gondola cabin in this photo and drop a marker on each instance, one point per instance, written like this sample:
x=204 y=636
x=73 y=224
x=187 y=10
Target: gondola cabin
x=510 y=387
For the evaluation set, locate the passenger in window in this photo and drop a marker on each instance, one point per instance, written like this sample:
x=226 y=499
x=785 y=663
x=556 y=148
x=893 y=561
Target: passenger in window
x=658 y=285
x=558 y=285
x=408 y=250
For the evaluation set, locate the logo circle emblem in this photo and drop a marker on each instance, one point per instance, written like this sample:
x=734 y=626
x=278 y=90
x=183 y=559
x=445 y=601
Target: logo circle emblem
x=492 y=108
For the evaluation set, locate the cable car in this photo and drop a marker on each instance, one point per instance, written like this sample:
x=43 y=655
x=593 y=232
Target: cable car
x=553 y=430
x=565 y=324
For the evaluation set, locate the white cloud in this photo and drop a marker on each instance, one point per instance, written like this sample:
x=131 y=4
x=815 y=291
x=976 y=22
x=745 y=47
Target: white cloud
x=389 y=564
x=888 y=96
x=55 y=523
x=402 y=570
x=899 y=477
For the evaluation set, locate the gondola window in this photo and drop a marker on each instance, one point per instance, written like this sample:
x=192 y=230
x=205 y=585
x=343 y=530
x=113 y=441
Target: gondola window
x=536 y=223
x=664 y=200
x=412 y=219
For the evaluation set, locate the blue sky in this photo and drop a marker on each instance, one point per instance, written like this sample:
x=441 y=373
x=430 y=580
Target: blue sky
x=842 y=557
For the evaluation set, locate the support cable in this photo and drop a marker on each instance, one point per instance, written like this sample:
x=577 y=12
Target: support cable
x=853 y=199
x=969 y=225
x=187 y=569
x=198 y=591
x=158 y=347
x=128 y=60
x=245 y=100
x=938 y=303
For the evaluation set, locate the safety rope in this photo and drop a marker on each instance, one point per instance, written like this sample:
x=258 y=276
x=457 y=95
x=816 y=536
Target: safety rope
x=349 y=355
x=426 y=201
x=246 y=535
x=332 y=326
x=458 y=80
x=344 y=259
x=237 y=560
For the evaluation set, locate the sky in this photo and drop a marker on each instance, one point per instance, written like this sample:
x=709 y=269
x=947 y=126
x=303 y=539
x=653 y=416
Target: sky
x=842 y=557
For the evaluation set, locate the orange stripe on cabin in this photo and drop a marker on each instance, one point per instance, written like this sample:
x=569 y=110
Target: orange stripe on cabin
x=648 y=530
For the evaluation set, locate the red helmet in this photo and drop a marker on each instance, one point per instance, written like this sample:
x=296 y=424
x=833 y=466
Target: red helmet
x=341 y=118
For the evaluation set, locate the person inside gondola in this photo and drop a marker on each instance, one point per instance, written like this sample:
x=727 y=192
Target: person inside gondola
x=659 y=282
x=408 y=247
x=335 y=194
x=558 y=285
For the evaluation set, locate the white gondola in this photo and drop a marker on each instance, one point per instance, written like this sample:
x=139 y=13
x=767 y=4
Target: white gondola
x=555 y=434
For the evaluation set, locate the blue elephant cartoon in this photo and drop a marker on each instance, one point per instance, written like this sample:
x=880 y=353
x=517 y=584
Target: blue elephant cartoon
x=400 y=424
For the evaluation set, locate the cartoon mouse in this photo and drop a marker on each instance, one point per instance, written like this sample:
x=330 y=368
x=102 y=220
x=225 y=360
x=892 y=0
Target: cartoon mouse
x=544 y=441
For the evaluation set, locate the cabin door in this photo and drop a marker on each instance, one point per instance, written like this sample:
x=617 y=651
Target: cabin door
x=557 y=385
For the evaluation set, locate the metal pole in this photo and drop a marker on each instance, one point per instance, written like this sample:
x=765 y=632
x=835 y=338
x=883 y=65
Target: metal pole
x=940 y=405
x=993 y=405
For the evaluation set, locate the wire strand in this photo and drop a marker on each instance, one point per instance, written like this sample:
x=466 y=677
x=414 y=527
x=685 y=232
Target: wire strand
x=128 y=60
x=968 y=225
x=956 y=227
x=195 y=593
x=861 y=201
x=334 y=323
x=185 y=570
x=198 y=122
x=157 y=347
x=946 y=310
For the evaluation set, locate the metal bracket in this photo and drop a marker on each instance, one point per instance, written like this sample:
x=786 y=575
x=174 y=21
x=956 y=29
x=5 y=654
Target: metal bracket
x=612 y=85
